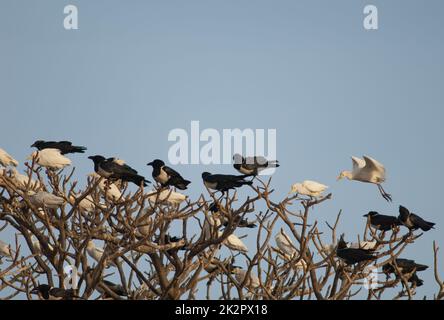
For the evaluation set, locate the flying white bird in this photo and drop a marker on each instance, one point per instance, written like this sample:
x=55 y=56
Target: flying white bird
x=168 y=196
x=308 y=188
x=234 y=243
x=5 y=249
x=43 y=199
x=96 y=253
x=367 y=170
x=110 y=190
x=50 y=158
x=6 y=159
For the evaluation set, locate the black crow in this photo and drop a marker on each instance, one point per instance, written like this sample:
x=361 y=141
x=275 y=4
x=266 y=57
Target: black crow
x=353 y=255
x=413 y=221
x=49 y=293
x=252 y=165
x=116 y=170
x=406 y=266
x=224 y=182
x=64 y=146
x=167 y=176
x=115 y=288
x=382 y=222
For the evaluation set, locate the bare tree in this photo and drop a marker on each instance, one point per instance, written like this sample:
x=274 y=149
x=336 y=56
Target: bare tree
x=146 y=261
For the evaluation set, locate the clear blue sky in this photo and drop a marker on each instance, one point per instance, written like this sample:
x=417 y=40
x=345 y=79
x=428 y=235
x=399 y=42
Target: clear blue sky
x=137 y=69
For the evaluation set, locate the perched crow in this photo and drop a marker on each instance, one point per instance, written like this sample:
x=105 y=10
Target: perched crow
x=382 y=222
x=167 y=176
x=252 y=165
x=49 y=293
x=115 y=288
x=353 y=255
x=413 y=221
x=224 y=182
x=116 y=170
x=64 y=146
x=406 y=266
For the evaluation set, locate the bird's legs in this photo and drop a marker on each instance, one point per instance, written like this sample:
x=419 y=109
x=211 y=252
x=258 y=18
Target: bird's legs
x=384 y=194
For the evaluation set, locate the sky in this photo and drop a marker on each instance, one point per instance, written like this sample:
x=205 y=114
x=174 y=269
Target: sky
x=136 y=70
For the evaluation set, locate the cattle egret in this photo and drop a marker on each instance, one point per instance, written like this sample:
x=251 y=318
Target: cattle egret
x=110 y=190
x=43 y=199
x=87 y=204
x=234 y=243
x=96 y=253
x=50 y=158
x=367 y=170
x=166 y=196
x=5 y=249
x=6 y=160
x=308 y=188
x=252 y=281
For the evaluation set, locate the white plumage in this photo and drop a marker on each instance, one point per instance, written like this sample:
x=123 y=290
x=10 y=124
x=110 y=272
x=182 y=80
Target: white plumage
x=87 y=204
x=308 y=188
x=168 y=196
x=143 y=223
x=5 y=249
x=367 y=170
x=36 y=245
x=234 y=243
x=211 y=222
x=252 y=281
x=6 y=159
x=110 y=190
x=43 y=199
x=368 y=245
x=50 y=158
x=21 y=180
x=284 y=244
x=96 y=253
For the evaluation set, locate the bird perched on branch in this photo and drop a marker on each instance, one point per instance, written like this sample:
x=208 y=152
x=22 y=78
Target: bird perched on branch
x=6 y=160
x=43 y=199
x=117 y=289
x=367 y=170
x=167 y=176
x=309 y=188
x=64 y=146
x=253 y=165
x=382 y=222
x=405 y=267
x=353 y=255
x=109 y=190
x=224 y=182
x=413 y=221
x=50 y=158
x=96 y=253
x=5 y=249
x=166 y=196
x=234 y=243
x=116 y=170
x=50 y=293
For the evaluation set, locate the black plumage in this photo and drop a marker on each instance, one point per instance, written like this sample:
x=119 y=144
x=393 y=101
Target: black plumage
x=113 y=170
x=224 y=182
x=50 y=293
x=117 y=289
x=64 y=146
x=382 y=222
x=353 y=255
x=252 y=165
x=167 y=176
x=406 y=267
x=413 y=221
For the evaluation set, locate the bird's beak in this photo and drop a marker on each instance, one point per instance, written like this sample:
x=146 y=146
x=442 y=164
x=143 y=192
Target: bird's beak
x=365 y=215
x=34 y=291
x=90 y=157
x=149 y=164
x=33 y=145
